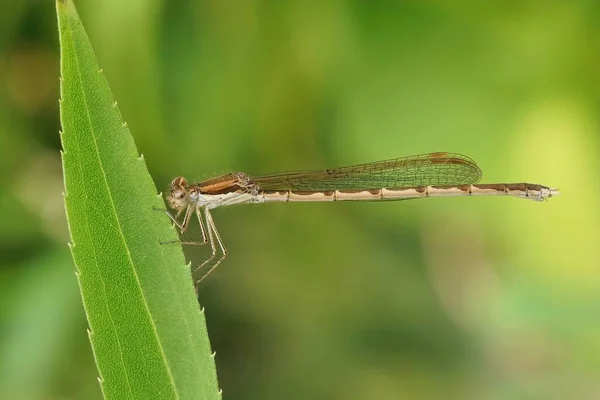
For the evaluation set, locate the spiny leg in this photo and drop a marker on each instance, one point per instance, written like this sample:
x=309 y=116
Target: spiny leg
x=171 y=217
x=183 y=226
x=212 y=235
x=199 y=215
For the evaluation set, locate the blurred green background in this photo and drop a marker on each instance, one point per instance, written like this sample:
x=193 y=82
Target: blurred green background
x=466 y=298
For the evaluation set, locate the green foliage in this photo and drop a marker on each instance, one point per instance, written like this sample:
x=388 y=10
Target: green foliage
x=148 y=337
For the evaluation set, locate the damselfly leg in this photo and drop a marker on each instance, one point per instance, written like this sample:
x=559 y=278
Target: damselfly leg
x=204 y=269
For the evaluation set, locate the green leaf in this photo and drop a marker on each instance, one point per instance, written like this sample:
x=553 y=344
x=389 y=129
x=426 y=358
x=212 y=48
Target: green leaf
x=148 y=336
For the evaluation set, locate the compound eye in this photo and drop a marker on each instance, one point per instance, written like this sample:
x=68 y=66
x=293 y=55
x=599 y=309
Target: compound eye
x=179 y=195
x=179 y=182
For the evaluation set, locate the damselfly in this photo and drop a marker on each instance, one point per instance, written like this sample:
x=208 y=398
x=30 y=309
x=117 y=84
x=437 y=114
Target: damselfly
x=426 y=175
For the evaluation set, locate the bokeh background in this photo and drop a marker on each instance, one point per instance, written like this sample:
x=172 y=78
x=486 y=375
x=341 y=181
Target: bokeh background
x=462 y=298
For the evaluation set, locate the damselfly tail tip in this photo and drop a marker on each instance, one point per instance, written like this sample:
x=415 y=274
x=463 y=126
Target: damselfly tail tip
x=549 y=192
x=545 y=193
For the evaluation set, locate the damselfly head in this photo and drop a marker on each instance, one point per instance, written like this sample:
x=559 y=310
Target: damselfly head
x=178 y=197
